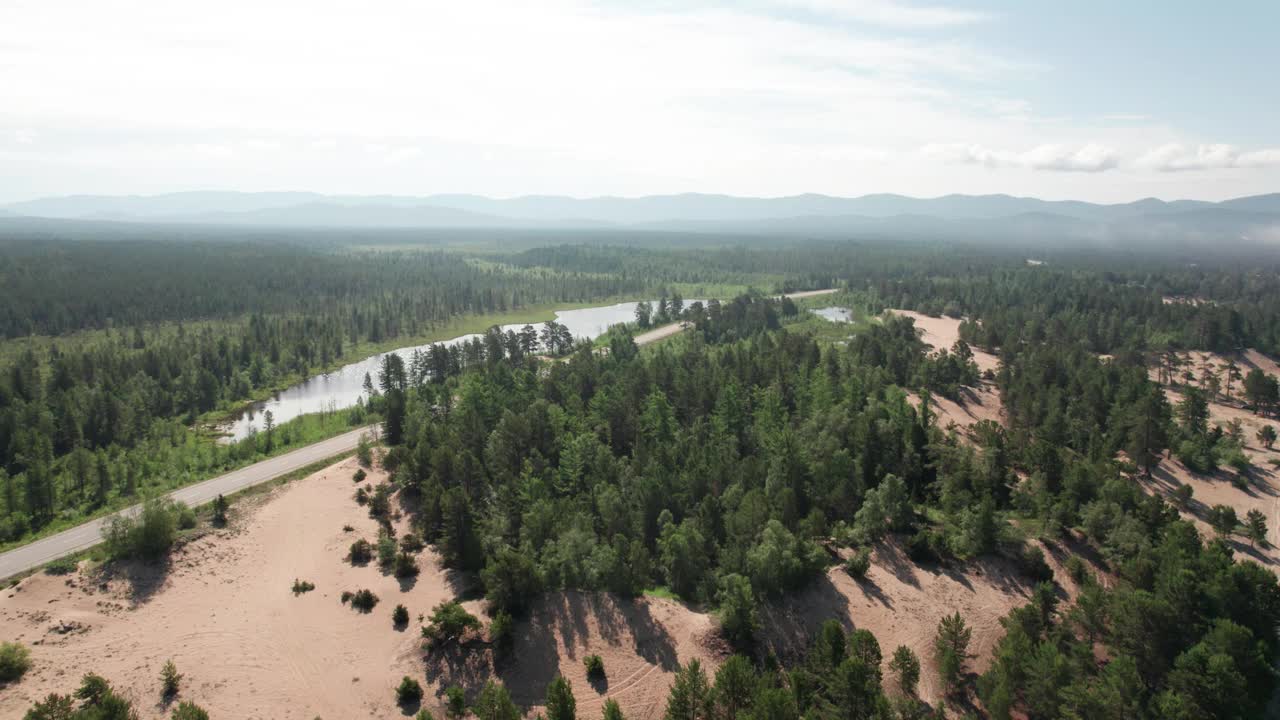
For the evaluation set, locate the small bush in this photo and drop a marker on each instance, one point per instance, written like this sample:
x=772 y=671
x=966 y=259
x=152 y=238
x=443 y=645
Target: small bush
x=501 y=631
x=1077 y=569
x=15 y=660
x=188 y=710
x=386 y=551
x=595 y=667
x=186 y=517
x=400 y=616
x=347 y=528
x=362 y=496
x=858 y=564
x=364 y=600
x=1034 y=566
x=361 y=552
x=170 y=679
x=360 y=475
x=926 y=546
x=220 y=507
x=149 y=536
x=449 y=620
x=411 y=543
x=346 y=596
x=62 y=566
x=408 y=691
x=302 y=586
x=406 y=566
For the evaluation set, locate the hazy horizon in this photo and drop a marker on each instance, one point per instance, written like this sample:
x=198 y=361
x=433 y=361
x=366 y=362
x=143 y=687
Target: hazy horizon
x=583 y=98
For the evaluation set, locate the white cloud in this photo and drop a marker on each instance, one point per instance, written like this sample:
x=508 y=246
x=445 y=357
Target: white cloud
x=889 y=13
x=1087 y=158
x=1176 y=157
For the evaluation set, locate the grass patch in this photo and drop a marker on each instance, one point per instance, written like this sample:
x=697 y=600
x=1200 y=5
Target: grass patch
x=662 y=591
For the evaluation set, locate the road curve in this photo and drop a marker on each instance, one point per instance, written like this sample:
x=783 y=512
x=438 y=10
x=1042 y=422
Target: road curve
x=81 y=537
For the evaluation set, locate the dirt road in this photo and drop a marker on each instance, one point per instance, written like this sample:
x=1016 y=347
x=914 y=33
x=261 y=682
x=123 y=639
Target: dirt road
x=85 y=536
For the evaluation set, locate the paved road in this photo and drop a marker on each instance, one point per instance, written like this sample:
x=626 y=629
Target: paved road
x=89 y=534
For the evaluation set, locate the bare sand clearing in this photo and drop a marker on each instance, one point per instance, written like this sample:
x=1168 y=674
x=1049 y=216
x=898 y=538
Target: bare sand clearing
x=1262 y=492
x=1246 y=360
x=249 y=648
x=901 y=604
x=943 y=332
x=642 y=642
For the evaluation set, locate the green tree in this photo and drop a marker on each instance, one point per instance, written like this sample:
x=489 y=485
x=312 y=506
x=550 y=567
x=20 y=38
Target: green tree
x=449 y=621
x=170 y=679
x=1223 y=520
x=951 y=646
x=1267 y=436
x=188 y=710
x=690 y=697
x=738 y=616
x=1256 y=527
x=560 y=702
x=612 y=711
x=494 y=703
x=906 y=666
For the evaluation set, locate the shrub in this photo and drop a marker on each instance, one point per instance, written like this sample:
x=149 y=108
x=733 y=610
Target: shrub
x=400 y=616
x=186 y=517
x=925 y=546
x=362 y=496
x=386 y=551
x=449 y=621
x=501 y=631
x=170 y=679
x=148 y=536
x=188 y=710
x=346 y=596
x=858 y=564
x=361 y=552
x=347 y=528
x=364 y=600
x=62 y=566
x=302 y=586
x=411 y=543
x=1034 y=566
x=15 y=660
x=405 y=566
x=220 y=507
x=595 y=667
x=1077 y=570
x=455 y=702
x=408 y=691
x=360 y=475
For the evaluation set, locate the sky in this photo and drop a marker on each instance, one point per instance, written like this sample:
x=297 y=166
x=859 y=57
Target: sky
x=1101 y=101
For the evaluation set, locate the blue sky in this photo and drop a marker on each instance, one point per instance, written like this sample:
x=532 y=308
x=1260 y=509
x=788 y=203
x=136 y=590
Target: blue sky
x=1089 y=100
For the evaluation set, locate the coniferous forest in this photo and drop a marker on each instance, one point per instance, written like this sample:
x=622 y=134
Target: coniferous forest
x=729 y=466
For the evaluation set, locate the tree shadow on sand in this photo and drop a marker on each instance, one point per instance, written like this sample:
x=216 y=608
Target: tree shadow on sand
x=144 y=580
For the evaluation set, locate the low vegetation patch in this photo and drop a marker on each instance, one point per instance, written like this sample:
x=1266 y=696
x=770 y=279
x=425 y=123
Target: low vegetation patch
x=449 y=622
x=302 y=586
x=360 y=552
x=400 y=616
x=409 y=691
x=364 y=600
x=15 y=660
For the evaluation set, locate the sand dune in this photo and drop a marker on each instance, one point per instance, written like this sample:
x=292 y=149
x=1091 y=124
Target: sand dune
x=943 y=332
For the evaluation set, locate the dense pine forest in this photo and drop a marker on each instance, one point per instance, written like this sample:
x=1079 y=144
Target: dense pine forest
x=730 y=466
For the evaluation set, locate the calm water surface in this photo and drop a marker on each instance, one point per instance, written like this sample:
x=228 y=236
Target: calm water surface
x=835 y=314
x=342 y=387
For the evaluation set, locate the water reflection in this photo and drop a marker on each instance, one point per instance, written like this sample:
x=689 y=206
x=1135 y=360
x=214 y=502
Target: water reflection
x=342 y=387
x=835 y=314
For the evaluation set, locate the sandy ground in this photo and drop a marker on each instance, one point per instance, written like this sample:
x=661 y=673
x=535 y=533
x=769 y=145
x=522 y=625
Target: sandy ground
x=901 y=604
x=1262 y=493
x=943 y=332
x=977 y=404
x=249 y=648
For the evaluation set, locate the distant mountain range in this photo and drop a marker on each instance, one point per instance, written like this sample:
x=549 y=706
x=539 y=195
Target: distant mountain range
x=991 y=217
